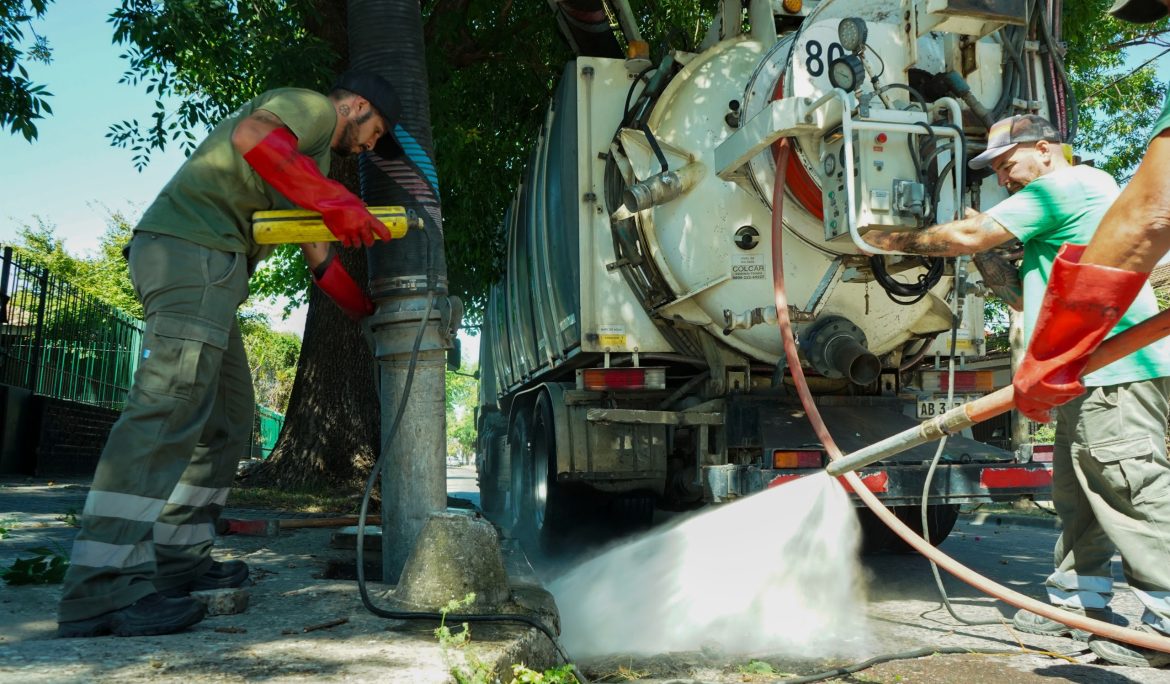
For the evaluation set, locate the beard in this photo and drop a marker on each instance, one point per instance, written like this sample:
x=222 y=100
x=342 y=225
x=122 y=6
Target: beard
x=350 y=142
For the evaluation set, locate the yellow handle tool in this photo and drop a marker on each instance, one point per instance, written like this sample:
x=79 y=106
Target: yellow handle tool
x=295 y=226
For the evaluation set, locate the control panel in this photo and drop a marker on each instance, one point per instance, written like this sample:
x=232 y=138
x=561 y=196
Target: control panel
x=881 y=177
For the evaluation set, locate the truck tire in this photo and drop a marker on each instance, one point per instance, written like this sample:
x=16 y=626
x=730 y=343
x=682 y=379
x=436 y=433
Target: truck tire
x=940 y=518
x=877 y=537
x=553 y=504
x=516 y=504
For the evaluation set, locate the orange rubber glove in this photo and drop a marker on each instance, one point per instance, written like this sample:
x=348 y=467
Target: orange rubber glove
x=297 y=177
x=336 y=282
x=1082 y=304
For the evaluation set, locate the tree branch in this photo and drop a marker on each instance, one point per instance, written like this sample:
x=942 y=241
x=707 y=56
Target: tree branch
x=1115 y=81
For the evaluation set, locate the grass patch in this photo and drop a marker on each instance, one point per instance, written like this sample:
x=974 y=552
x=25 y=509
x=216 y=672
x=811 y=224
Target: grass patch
x=293 y=501
x=473 y=670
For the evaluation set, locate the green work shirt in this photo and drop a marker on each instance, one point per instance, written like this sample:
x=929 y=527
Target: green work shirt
x=210 y=199
x=1163 y=121
x=1066 y=206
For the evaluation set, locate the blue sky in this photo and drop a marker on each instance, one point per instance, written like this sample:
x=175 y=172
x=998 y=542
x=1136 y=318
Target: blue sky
x=70 y=176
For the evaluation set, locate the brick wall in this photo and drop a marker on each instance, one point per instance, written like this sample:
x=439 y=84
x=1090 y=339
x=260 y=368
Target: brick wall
x=70 y=436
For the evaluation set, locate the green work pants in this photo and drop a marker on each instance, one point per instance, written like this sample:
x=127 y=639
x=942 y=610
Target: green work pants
x=1111 y=488
x=167 y=467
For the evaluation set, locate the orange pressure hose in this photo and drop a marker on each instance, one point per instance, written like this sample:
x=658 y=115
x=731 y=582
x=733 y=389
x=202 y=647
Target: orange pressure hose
x=949 y=564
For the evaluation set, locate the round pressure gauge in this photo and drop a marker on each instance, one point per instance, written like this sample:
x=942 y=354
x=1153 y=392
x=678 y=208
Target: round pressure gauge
x=851 y=33
x=830 y=164
x=847 y=73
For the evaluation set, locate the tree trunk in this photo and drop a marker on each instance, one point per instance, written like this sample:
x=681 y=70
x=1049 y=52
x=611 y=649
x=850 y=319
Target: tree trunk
x=329 y=439
x=330 y=434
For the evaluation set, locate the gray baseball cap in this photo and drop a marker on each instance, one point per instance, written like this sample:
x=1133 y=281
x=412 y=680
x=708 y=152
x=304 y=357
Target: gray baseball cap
x=382 y=96
x=1138 y=11
x=1009 y=132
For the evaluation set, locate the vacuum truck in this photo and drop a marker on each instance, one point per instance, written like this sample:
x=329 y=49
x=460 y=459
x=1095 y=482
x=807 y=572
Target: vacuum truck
x=630 y=355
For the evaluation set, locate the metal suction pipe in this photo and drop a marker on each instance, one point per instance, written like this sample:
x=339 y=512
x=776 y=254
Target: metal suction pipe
x=854 y=361
x=661 y=188
x=408 y=282
x=836 y=349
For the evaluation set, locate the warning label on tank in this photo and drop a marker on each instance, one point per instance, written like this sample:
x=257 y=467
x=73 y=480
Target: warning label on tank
x=611 y=335
x=748 y=267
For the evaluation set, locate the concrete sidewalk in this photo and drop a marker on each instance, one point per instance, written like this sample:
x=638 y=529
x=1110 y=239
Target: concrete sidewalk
x=304 y=622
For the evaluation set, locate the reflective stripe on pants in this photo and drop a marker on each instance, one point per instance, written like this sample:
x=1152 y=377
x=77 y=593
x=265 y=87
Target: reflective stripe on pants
x=187 y=419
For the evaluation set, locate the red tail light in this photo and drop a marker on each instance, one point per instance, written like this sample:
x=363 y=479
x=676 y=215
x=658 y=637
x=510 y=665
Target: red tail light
x=598 y=379
x=796 y=458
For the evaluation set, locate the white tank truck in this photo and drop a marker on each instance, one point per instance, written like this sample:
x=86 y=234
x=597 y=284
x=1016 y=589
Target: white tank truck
x=630 y=357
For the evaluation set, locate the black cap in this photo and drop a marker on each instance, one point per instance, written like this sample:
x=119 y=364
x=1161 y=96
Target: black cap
x=1138 y=11
x=382 y=96
x=1009 y=132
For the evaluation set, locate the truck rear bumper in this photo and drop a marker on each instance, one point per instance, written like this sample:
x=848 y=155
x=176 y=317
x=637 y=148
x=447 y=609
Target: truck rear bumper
x=899 y=484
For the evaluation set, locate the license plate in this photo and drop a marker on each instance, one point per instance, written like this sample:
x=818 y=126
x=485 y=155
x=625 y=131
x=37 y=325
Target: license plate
x=936 y=406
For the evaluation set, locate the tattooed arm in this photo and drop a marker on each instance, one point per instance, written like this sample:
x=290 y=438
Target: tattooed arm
x=1002 y=276
x=254 y=128
x=976 y=233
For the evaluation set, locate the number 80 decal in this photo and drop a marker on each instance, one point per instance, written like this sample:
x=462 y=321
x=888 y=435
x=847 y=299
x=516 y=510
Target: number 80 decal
x=815 y=58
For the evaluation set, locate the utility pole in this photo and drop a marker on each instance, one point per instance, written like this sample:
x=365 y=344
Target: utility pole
x=408 y=282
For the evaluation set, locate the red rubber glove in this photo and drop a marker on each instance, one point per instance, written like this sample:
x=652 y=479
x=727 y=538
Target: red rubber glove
x=1082 y=304
x=297 y=177
x=336 y=282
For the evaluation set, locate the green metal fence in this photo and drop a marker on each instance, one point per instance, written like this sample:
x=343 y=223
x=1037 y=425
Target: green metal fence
x=266 y=431
x=61 y=343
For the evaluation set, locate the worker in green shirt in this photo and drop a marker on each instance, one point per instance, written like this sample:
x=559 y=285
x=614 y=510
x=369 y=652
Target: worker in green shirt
x=1087 y=294
x=148 y=524
x=1109 y=459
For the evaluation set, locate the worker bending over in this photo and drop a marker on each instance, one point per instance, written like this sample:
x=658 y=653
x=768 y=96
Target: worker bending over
x=163 y=477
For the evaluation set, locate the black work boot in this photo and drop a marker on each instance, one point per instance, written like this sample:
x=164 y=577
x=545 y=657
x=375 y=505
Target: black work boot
x=219 y=575
x=222 y=575
x=1027 y=621
x=150 y=615
x=1119 y=653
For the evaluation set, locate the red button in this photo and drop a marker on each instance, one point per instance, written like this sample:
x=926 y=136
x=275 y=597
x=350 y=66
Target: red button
x=880 y=139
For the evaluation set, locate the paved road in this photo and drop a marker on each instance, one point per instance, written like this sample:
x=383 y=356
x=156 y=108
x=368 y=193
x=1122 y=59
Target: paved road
x=461 y=483
x=903 y=608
